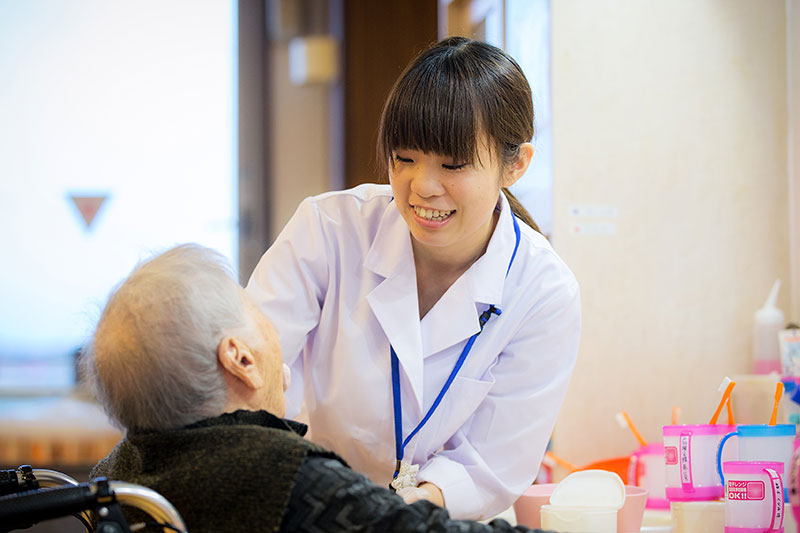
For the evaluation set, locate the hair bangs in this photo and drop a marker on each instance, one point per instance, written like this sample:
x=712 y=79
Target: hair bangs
x=433 y=110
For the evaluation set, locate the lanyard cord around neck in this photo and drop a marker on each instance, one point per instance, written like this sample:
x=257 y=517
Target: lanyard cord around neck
x=400 y=444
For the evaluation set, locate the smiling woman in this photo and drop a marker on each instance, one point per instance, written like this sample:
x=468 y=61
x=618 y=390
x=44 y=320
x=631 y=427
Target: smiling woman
x=388 y=299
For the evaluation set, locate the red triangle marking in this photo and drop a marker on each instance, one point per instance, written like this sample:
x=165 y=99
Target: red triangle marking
x=88 y=206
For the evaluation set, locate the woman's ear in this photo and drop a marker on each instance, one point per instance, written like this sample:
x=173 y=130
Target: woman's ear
x=516 y=169
x=238 y=360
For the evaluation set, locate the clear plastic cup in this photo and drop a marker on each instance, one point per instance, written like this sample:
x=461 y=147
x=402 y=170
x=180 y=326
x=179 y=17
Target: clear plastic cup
x=646 y=470
x=690 y=469
x=754 y=499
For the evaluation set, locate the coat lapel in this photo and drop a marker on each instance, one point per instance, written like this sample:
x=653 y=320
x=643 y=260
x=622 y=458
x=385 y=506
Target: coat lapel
x=452 y=320
x=394 y=300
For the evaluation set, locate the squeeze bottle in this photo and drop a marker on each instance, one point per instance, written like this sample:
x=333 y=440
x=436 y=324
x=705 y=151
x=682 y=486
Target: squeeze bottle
x=768 y=321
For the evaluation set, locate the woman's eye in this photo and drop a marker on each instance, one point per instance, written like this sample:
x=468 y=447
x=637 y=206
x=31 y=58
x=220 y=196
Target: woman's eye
x=400 y=159
x=454 y=166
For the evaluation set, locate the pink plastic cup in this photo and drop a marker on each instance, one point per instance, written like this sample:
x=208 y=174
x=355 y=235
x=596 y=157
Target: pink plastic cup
x=690 y=453
x=753 y=496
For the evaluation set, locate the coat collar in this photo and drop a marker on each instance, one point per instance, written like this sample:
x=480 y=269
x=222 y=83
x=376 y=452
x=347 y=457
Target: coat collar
x=391 y=252
x=487 y=276
x=394 y=300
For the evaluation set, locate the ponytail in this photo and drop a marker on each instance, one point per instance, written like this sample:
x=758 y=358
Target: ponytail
x=519 y=210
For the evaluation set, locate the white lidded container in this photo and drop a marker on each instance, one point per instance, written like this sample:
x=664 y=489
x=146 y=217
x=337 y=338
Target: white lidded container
x=585 y=501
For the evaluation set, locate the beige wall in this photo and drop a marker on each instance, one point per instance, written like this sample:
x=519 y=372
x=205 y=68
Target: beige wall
x=299 y=161
x=793 y=49
x=675 y=113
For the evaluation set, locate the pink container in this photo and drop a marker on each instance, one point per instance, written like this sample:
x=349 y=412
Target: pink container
x=753 y=496
x=646 y=470
x=528 y=507
x=690 y=453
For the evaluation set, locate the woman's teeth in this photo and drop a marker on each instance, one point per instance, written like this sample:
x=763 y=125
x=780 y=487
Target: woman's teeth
x=432 y=214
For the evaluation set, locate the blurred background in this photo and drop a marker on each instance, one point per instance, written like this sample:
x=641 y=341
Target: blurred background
x=666 y=174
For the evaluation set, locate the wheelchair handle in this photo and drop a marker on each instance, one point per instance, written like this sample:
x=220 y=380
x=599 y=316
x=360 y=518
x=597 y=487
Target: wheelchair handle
x=148 y=501
x=22 y=509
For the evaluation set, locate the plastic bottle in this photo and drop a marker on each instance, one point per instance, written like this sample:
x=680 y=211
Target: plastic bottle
x=768 y=321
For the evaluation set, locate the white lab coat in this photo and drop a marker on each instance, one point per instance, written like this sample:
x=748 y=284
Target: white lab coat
x=339 y=285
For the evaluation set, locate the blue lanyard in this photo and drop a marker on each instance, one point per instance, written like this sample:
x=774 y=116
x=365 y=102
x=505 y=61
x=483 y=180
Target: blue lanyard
x=400 y=444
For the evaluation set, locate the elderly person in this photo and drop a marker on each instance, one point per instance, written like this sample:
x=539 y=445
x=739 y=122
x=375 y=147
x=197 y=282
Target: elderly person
x=190 y=368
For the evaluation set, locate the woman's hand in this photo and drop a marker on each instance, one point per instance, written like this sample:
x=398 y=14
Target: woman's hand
x=425 y=491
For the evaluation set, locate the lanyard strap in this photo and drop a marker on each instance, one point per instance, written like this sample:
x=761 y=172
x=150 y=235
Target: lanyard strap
x=399 y=443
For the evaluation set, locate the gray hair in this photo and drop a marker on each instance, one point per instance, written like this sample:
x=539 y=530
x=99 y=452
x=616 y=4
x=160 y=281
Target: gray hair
x=152 y=361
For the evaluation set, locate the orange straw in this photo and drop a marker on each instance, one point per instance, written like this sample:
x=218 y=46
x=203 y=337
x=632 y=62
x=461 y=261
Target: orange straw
x=778 y=394
x=675 y=412
x=731 y=421
x=633 y=429
x=561 y=462
x=724 y=399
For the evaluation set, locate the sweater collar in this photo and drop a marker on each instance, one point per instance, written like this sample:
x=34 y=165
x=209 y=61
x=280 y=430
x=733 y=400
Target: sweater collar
x=250 y=418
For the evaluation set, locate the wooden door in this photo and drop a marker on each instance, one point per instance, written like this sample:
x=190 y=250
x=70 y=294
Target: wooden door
x=381 y=37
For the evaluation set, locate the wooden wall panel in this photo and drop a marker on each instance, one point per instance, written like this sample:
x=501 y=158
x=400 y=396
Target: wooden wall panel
x=380 y=39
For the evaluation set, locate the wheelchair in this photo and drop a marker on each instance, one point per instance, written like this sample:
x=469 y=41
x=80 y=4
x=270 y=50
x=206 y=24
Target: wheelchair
x=29 y=496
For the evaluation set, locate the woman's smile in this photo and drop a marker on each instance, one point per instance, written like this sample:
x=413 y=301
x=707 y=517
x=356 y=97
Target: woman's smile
x=432 y=215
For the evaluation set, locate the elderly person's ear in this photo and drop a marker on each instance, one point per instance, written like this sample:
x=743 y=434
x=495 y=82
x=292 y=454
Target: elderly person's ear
x=239 y=361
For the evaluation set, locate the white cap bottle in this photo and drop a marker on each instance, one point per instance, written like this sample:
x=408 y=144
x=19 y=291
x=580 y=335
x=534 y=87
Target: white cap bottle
x=768 y=321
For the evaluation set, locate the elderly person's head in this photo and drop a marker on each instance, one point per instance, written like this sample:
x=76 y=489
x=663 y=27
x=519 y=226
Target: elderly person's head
x=180 y=341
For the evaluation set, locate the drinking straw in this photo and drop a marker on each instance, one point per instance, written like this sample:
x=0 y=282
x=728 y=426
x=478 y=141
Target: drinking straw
x=728 y=385
x=778 y=394
x=624 y=420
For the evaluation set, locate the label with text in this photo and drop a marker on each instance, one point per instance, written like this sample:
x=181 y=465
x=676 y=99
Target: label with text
x=671 y=455
x=686 y=459
x=745 y=490
x=777 y=499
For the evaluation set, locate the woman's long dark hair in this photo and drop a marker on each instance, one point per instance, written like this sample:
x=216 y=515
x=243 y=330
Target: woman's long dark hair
x=451 y=93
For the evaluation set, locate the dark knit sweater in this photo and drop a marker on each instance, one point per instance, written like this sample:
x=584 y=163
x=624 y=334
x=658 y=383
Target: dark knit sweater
x=222 y=474
x=251 y=471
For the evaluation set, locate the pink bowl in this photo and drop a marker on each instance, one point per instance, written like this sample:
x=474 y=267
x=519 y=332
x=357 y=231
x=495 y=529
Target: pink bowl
x=629 y=518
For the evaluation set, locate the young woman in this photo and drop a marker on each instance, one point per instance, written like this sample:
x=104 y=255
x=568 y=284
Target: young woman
x=388 y=298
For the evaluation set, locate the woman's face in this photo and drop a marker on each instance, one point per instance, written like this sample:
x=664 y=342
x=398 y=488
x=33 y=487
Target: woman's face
x=448 y=205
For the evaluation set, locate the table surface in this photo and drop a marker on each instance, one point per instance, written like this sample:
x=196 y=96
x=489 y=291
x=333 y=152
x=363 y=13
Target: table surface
x=48 y=431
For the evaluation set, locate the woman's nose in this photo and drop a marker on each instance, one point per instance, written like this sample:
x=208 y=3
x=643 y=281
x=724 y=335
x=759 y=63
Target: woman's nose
x=425 y=182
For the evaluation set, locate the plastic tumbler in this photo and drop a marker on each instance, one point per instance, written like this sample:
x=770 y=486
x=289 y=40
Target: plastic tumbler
x=646 y=470
x=689 y=466
x=761 y=442
x=753 y=496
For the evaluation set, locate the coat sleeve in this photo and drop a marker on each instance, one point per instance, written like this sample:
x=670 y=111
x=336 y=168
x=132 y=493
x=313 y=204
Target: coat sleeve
x=496 y=454
x=289 y=286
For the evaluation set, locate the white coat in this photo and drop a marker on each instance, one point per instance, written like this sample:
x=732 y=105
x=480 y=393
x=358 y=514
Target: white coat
x=339 y=284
